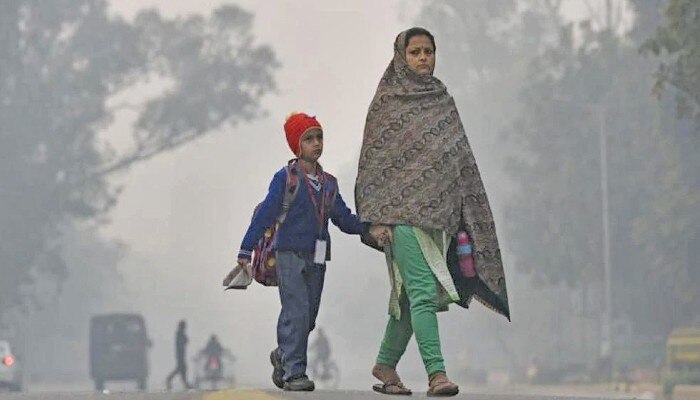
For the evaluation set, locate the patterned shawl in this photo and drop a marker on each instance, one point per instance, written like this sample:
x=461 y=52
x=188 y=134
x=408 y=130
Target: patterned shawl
x=416 y=168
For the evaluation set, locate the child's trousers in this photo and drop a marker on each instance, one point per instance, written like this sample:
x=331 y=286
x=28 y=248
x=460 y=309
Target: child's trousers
x=300 y=285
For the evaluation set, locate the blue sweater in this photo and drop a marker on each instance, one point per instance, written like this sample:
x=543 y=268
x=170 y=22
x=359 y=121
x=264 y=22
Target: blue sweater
x=299 y=231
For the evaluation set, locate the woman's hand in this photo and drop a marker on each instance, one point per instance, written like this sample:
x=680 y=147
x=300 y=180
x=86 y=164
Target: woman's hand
x=381 y=234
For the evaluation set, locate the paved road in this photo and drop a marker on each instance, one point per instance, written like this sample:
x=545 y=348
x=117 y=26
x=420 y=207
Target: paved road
x=243 y=394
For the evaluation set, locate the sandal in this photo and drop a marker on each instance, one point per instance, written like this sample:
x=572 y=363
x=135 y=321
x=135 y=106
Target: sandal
x=439 y=386
x=391 y=383
x=392 y=388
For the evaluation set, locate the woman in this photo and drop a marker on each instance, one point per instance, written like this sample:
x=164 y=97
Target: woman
x=417 y=175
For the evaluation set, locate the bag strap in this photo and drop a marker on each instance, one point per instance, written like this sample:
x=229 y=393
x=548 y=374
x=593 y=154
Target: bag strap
x=290 y=189
x=333 y=194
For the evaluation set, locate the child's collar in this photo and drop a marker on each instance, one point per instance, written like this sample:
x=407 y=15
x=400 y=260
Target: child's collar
x=316 y=166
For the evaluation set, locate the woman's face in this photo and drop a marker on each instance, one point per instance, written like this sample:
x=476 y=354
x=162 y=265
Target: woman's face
x=420 y=55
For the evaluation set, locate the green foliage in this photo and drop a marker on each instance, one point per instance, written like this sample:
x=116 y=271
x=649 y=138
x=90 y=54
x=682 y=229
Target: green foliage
x=577 y=93
x=549 y=90
x=678 y=44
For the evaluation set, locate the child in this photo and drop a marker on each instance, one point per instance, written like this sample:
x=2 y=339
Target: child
x=302 y=245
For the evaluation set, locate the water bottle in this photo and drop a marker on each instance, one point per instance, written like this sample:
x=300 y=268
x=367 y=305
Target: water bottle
x=464 y=253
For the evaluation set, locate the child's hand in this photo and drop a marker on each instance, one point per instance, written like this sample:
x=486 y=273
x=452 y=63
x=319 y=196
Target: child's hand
x=381 y=233
x=243 y=262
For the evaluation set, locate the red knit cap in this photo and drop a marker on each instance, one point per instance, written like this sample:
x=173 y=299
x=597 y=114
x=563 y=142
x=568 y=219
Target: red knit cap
x=296 y=126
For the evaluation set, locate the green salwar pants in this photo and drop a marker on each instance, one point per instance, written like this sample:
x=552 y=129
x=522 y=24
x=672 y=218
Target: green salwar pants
x=418 y=301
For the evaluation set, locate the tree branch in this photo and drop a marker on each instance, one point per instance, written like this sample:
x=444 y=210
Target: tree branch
x=139 y=156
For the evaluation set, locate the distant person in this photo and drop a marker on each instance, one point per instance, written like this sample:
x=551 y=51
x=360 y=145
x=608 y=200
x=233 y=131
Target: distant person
x=302 y=245
x=180 y=357
x=623 y=379
x=214 y=349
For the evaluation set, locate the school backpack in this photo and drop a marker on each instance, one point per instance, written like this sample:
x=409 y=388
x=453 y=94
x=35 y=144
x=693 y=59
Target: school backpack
x=264 y=266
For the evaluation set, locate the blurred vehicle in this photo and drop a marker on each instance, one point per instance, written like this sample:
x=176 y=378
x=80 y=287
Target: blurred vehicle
x=210 y=366
x=210 y=369
x=532 y=371
x=118 y=349
x=682 y=359
x=10 y=368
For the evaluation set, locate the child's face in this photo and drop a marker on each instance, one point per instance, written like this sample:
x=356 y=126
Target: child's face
x=312 y=145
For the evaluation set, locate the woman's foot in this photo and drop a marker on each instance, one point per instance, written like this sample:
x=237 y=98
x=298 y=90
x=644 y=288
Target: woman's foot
x=391 y=383
x=440 y=385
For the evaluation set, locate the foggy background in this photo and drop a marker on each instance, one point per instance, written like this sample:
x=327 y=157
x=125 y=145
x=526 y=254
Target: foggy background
x=128 y=182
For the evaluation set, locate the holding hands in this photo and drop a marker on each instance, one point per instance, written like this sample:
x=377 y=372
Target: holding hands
x=381 y=233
